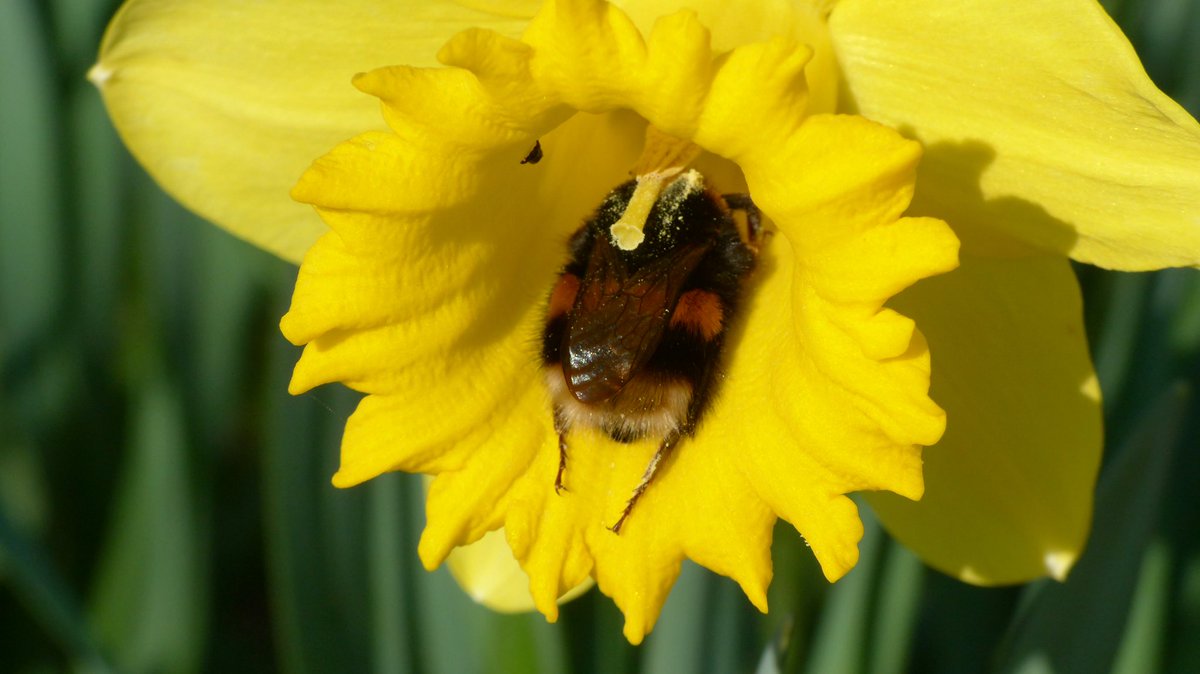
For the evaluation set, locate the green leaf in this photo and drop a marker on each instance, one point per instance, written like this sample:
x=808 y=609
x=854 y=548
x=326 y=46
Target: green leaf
x=842 y=633
x=391 y=566
x=895 y=615
x=223 y=295
x=703 y=608
x=731 y=631
x=1184 y=335
x=149 y=600
x=671 y=647
x=550 y=642
x=450 y=626
x=78 y=25
x=592 y=625
x=1116 y=308
x=97 y=224
x=1184 y=652
x=795 y=596
x=1141 y=648
x=31 y=195
x=316 y=563
x=775 y=654
x=34 y=578
x=513 y=645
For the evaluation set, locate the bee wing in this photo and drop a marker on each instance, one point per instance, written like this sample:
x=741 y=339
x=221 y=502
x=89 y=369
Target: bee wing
x=619 y=318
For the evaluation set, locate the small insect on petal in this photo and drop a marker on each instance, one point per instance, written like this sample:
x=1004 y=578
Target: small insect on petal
x=535 y=154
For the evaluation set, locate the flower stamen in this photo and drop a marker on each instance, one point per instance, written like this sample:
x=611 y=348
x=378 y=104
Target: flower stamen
x=663 y=158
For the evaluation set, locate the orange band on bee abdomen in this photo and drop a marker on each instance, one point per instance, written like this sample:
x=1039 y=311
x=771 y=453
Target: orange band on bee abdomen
x=699 y=311
x=563 y=296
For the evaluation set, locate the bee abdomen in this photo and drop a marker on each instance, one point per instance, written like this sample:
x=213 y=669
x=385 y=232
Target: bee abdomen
x=701 y=313
x=650 y=405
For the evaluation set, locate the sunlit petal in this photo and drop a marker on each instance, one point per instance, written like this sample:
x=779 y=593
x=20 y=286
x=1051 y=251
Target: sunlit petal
x=226 y=102
x=1008 y=490
x=1039 y=125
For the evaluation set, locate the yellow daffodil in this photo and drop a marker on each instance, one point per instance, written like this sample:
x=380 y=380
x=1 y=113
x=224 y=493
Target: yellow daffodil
x=425 y=278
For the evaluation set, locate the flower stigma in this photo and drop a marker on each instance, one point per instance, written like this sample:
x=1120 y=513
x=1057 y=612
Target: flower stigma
x=663 y=158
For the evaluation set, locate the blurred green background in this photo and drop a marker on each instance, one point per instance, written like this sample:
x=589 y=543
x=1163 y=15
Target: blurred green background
x=165 y=506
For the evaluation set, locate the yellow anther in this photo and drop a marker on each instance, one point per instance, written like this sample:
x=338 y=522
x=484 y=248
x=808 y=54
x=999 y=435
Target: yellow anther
x=663 y=158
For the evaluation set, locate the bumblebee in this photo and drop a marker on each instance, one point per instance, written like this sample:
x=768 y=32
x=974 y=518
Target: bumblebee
x=633 y=337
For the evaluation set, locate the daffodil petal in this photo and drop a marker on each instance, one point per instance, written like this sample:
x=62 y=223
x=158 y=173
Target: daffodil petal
x=385 y=318
x=465 y=504
x=1008 y=490
x=427 y=297
x=704 y=509
x=517 y=9
x=1039 y=123
x=821 y=438
x=849 y=377
x=225 y=102
x=700 y=506
x=853 y=252
x=742 y=23
x=489 y=574
x=758 y=95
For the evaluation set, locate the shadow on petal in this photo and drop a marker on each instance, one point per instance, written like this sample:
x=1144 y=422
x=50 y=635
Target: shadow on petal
x=950 y=182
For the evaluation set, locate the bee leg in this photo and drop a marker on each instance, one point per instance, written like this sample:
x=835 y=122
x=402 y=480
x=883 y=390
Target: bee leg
x=560 y=426
x=742 y=202
x=559 y=488
x=664 y=450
